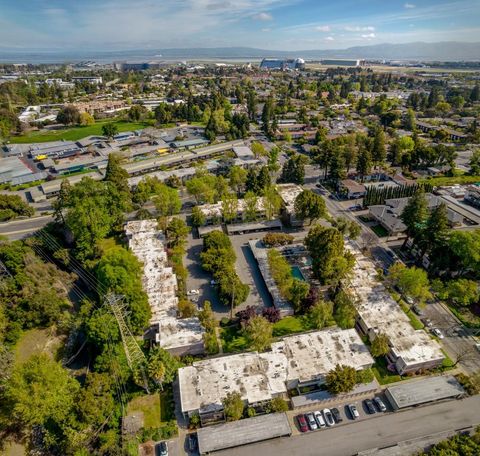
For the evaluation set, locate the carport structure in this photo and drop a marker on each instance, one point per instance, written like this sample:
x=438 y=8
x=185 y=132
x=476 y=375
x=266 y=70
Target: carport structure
x=243 y=432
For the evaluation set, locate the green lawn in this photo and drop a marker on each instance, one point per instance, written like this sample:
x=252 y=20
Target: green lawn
x=379 y=230
x=416 y=323
x=232 y=340
x=75 y=133
x=157 y=408
x=290 y=325
x=462 y=180
x=36 y=341
x=382 y=374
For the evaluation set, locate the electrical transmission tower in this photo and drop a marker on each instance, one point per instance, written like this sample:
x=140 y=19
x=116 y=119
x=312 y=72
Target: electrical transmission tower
x=135 y=356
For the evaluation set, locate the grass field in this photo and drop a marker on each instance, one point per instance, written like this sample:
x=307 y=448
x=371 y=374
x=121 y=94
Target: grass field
x=232 y=340
x=382 y=374
x=379 y=230
x=74 y=133
x=149 y=406
x=36 y=341
x=290 y=325
x=440 y=181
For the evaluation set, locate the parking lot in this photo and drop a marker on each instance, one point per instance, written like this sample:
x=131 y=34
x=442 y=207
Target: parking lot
x=345 y=414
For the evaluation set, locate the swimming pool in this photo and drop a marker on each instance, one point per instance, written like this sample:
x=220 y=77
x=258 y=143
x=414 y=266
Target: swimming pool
x=297 y=273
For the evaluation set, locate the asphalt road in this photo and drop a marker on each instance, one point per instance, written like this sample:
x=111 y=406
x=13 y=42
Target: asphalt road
x=377 y=432
x=457 y=341
x=18 y=229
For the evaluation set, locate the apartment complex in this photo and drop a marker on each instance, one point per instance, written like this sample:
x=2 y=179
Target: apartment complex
x=178 y=336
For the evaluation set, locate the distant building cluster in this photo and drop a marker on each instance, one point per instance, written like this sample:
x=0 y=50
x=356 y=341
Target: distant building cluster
x=282 y=64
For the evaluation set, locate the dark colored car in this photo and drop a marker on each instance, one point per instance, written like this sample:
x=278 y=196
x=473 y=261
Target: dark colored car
x=336 y=415
x=302 y=423
x=161 y=449
x=192 y=442
x=380 y=405
x=370 y=407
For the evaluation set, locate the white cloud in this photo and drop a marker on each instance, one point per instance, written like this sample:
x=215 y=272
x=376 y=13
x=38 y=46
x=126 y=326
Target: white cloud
x=265 y=30
x=323 y=28
x=329 y=38
x=262 y=17
x=357 y=28
x=368 y=36
x=409 y=5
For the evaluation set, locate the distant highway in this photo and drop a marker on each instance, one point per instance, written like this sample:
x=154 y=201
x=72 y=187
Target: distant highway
x=18 y=229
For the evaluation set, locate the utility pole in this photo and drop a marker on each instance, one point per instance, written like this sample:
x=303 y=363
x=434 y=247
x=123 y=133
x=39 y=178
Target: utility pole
x=135 y=356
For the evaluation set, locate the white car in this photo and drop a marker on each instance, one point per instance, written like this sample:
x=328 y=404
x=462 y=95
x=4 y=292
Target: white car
x=328 y=417
x=319 y=419
x=193 y=292
x=437 y=333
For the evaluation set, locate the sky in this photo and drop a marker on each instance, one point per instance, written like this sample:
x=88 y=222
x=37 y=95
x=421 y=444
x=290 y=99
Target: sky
x=265 y=24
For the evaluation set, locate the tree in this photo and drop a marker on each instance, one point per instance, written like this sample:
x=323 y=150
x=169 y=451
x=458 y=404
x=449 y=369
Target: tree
x=463 y=292
x=271 y=202
x=277 y=239
x=271 y=314
x=258 y=149
x=177 y=232
x=109 y=130
x=244 y=316
x=436 y=230
x=252 y=105
x=380 y=345
x=344 y=310
x=198 y=217
x=186 y=308
x=137 y=112
x=412 y=282
x=251 y=205
x=331 y=263
x=237 y=178
x=96 y=402
x=68 y=115
x=410 y=122
x=116 y=174
x=294 y=170
x=229 y=207
x=379 y=153
x=272 y=163
x=278 y=405
x=475 y=163
x=258 y=333
x=415 y=214
x=86 y=119
x=364 y=162
x=40 y=392
x=167 y=200
x=298 y=292
x=321 y=314
x=233 y=406
x=170 y=363
x=342 y=379
x=263 y=179
x=309 y=205
x=207 y=317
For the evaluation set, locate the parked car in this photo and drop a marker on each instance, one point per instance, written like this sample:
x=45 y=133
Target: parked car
x=194 y=298
x=161 y=449
x=477 y=346
x=437 y=333
x=302 y=423
x=427 y=322
x=312 y=424
x=380 y=405
x=418 y=311
x=319 y=419
x=193 y=292
x=353 y=411
x=336 y=415
x=328 y=417
x=370 y=407
x=192 y=442
x=409 y=300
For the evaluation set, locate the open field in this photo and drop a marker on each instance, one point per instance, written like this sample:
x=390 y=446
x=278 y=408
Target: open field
x=36 y=341
x=74 y=133
x=439 y=181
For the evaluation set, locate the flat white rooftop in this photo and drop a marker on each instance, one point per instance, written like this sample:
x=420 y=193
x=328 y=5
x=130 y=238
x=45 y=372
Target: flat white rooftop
x=288 y=193
x=262 y=376
x=380 y=312
x=160 y=284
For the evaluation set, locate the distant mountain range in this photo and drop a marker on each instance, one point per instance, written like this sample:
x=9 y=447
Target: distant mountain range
x=447 y=50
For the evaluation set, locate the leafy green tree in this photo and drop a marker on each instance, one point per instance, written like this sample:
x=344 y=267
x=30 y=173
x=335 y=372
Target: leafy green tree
x=272 y=163
x=364 y=162
x=436 y=230
x=344 y=310
x=231 y=290
x=258 y=333
x=12 y=206
x=198 y=217
x=229 y=207
x=116 y=174
x=475 y=163
x=271 y=202
x=95 y=401
x=167 y=200
x=380 y=345
x=68 y=115
x=465 y=245
x=309 y=205
x=237 y=178
x=293 y=170
x=415 y=215
x=233 y=406
x=86 y=119
x=410 y=122
x=278 y=404
x=251 y=204
x=109 y=130
x=412 y=282
x=120 y=272
x=207 y=317
x=102 y=328
x=186 y=308
x=40 y=392
x=298 y=291
x=379 y=152
x=177 y=232
x=463 y=292
x=331 y=263
x=159 y=356
x=258 y=149
x=342 y=379
x=321 y=314
x=365 y=376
